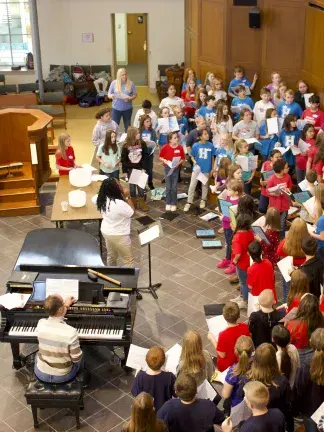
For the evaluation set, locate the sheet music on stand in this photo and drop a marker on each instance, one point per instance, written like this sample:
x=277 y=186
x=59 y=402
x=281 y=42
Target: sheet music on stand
x=150 y=232
x=64 y=287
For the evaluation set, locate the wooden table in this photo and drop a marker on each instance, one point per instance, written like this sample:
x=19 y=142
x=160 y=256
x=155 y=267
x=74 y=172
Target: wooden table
x=87 y=213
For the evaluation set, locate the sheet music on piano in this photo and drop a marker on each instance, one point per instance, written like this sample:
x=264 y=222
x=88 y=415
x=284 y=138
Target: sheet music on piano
x=64 y=287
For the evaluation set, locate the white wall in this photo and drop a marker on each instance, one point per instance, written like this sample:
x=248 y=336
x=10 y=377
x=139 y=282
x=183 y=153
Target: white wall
x=61 y=23
x=121 y=38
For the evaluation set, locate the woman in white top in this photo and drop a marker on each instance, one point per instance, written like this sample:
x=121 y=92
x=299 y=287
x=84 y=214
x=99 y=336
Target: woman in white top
x=287 y=354
x=172 y=100
x=116 y=208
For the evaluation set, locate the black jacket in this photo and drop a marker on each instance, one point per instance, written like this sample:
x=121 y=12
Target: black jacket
x=299 y=98
x=128 y=157
x=314 y=269
x=261 y=325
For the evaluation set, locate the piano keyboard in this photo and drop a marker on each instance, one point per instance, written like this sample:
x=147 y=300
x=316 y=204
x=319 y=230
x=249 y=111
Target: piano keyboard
x=112 y=332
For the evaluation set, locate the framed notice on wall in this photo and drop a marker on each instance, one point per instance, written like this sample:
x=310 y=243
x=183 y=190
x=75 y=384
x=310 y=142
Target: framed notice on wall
x=245 y=2
x=87 y=37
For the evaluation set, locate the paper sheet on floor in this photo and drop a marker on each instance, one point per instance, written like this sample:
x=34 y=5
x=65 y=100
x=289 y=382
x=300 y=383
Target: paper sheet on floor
x=136 y=357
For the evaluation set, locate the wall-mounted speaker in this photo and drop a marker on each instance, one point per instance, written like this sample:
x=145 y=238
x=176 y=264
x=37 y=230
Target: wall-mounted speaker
x=255 y=18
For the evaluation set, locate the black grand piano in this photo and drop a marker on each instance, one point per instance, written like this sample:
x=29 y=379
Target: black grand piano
x=68 y=254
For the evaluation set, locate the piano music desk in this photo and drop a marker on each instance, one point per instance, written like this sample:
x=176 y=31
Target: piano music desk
x=87 y=213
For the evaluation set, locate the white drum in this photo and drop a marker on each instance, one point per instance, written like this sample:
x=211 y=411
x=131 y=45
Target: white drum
x=77 y=198
x=80 y=177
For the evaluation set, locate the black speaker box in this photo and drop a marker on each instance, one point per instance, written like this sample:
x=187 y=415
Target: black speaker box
x=255 y=18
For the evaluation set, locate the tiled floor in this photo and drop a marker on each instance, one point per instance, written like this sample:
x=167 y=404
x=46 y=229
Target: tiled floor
x=189 y=279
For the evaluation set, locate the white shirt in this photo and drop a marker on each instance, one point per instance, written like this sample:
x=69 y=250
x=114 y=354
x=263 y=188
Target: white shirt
x=117 y=218
x=139 y=114
x=295 y=362
x=260 y=109
x=170 y=102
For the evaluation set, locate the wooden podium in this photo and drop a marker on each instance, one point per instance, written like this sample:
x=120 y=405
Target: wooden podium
x=23 y=138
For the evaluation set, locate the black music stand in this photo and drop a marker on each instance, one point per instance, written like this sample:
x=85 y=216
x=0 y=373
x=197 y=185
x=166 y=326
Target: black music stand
x=146 y=236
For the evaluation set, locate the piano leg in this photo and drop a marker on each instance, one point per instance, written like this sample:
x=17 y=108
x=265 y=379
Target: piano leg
x=17 y=363
x=123 y=361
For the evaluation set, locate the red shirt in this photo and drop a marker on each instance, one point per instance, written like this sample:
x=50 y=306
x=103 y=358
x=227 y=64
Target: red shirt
x=226 y=343
x=260 y=276
x=317 y=117
x=298 y=333
x=269 y=251
x=294 y=304
x=301 y=160
x=282 y=201
x=68 y=162
x=167 y=152
x=297 y=261
x=188 y=110
x=322 y=305
x=312 y=153
x=240 y=244
x=267 y=166
x=319 y=168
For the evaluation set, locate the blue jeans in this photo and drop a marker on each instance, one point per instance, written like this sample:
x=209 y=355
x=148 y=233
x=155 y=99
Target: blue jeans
x=114 y=174
x=126 y=115
x=171 y=186
x=283 y=217
x=247 y=188
x=228 y=239
x=55 y=378
x=242 y=275
x=263 y=203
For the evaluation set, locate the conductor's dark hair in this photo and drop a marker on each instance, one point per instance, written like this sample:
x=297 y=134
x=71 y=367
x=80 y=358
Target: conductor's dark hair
x=109 y=189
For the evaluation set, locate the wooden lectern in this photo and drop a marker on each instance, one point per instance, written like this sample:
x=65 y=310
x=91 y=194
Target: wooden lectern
x=23 y=138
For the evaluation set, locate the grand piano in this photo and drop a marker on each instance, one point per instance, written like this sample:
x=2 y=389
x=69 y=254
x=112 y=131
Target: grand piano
x=68 y=254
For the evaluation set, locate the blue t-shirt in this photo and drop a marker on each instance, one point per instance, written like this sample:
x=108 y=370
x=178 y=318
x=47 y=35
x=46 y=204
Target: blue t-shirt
x=235 y=82
x=234 y=380
x=183 y=125
x=163 y=138
x=205 y=112
x=246 y=101
x=267 y=145
x=284 y=109
x=203 y=155
x=289 y=138
x=118 y=103
x=319 y=229
x=221 y=153
x=272 y=421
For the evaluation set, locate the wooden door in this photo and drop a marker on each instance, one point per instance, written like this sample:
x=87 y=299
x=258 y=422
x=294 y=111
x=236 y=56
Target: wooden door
x=137 y=38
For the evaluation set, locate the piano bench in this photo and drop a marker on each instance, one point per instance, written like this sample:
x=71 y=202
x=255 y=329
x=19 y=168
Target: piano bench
x=47 y=395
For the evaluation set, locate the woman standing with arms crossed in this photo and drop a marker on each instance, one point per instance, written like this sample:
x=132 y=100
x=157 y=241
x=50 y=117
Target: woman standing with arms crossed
x=122 y=92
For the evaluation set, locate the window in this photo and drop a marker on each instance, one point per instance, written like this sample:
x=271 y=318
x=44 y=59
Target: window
x=15 y=32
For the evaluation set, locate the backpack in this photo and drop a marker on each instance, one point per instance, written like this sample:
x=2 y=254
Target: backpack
x=78 y=74
x=30 y=61
x=66 y=78
x=69 y=90
x=71 y=100
x=88 y=100
x=99 y=100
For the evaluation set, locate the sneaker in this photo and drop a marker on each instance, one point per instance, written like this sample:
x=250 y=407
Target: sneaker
x=186 y=207
x=168 y=207
x=163 y=180
x=202 y=204
x=231 y=269
x=233 y=279
x=221 y=230
x=237 y=299
x=223 y=264
x=242 y=304
x=173 y=208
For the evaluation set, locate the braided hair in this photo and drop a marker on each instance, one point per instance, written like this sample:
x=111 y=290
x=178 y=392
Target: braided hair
x=109 y=190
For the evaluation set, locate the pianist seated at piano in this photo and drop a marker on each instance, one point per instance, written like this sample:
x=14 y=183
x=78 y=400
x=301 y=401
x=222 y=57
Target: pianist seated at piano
x=117 y=208
x=59 y=357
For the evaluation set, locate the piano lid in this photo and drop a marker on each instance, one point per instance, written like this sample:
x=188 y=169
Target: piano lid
x=60 y=247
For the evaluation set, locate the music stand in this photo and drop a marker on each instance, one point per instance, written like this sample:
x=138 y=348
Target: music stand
x=146 y=236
